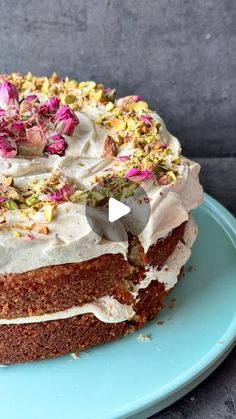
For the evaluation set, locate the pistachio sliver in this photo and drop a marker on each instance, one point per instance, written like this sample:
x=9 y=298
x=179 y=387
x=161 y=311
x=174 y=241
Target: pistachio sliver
x=11 y=204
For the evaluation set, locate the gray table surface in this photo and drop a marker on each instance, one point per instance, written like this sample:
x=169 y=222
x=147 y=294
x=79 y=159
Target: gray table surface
x=215 y=398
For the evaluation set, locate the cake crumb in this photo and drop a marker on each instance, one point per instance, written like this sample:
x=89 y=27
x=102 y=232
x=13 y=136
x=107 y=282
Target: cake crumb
x=75 y=355
x=144 y=338
x=160 y=322
x=192 y=399
x=171 y=303
x=191 y=269
x=208 y=36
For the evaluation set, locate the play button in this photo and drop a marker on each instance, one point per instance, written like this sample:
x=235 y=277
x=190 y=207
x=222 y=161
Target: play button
x=116 y=210
x=117 y=207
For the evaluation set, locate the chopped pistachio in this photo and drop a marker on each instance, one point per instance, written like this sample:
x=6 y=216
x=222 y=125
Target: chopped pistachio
x=11 y=204
x=46 y=85
x=176 y=160
x=78 y=196
x=171 y=176
x=90 y=85
x=68 y=99
x=118 y=124
x=141 y=105
x=9 y=181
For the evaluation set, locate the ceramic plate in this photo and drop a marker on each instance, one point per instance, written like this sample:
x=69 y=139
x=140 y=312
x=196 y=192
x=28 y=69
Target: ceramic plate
x=131 y=378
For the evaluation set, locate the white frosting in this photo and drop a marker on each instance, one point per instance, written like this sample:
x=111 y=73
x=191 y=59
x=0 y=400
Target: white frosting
x=71 y=239
x=109 y=310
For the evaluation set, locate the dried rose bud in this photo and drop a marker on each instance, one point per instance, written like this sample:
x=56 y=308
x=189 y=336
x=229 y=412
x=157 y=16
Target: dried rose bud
x=137 y=98
x=57 y=146
x=8 y=146
x=109 y=147
x=8 y=95
x=66 y=120
x=35 y=137
x=147 y=119
x=50 y=106
x=33 y=143
x=2 y=114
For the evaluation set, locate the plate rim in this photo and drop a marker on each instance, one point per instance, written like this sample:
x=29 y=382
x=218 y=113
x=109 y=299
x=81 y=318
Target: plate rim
x=161 y=397
x=228 y=222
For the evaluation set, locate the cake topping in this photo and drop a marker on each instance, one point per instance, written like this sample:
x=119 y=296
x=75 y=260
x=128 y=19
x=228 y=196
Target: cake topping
x=8 y=95
x=59 y=138
x=65 y=120
x=56 y=145
x=8 y=146
x=29 y=127
x=70 y=92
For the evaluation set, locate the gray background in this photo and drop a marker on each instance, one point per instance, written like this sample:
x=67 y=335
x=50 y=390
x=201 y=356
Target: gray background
x=180 y=55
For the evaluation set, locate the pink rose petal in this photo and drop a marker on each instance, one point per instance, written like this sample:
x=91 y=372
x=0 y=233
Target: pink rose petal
x=139 y=175
x=16 y=128
x=31 y=98
x=8 y=148
x=2 y=113
x=9 y=95
x=123 y=158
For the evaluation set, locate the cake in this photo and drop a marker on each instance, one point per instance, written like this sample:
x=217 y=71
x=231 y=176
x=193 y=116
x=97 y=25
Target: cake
x=63 y=287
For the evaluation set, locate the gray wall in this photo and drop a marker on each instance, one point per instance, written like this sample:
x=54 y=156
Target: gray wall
x=178 y=54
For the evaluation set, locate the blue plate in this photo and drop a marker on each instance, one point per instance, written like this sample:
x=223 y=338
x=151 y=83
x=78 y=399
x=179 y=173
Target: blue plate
x=131 y=378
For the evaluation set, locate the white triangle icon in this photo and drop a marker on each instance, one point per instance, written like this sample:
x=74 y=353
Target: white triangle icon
x=116 y=210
